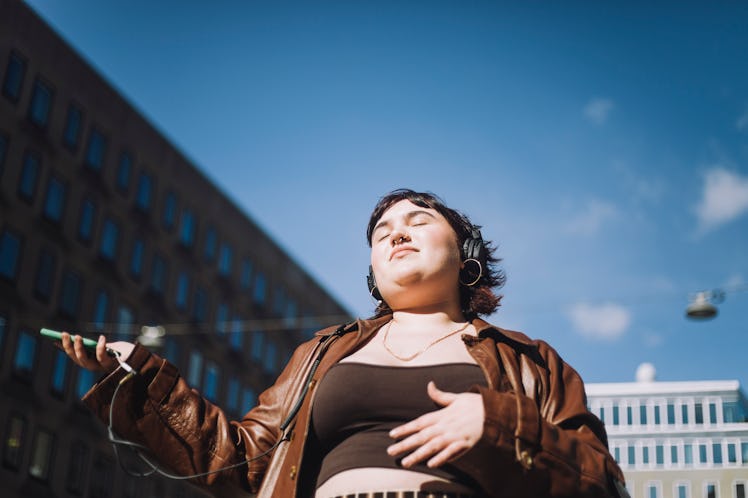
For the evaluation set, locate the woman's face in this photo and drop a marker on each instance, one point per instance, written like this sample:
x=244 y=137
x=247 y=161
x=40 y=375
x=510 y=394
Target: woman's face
x=415 y=256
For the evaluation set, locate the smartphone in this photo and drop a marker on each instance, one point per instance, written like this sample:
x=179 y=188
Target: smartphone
x=87 y=343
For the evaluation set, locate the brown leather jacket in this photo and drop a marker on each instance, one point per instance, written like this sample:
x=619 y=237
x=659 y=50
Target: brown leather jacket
x=538 y=440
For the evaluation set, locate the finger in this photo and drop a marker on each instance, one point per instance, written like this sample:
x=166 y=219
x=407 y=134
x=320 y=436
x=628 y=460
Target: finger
x=413 y=426
x=82 y=355
x=106 y=361
x=431 y=447
x=412 y=442
x=447 y=454
x=442 y=398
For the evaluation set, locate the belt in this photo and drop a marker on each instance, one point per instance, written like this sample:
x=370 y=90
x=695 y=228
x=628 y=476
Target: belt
x=407 y=494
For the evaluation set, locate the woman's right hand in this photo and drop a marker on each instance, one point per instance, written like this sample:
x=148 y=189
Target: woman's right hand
x=100 y=361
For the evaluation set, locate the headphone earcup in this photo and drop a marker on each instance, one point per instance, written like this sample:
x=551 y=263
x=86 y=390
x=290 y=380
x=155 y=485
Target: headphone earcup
x=474 y=248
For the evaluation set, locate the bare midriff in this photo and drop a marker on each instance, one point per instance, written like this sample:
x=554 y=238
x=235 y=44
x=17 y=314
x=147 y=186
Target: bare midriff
x=378 y=479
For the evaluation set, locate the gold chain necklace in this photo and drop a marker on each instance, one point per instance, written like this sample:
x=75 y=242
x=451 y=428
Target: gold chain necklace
x=418 y=353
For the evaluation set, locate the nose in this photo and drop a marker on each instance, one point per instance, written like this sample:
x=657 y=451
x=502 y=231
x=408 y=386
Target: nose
x=399 y=237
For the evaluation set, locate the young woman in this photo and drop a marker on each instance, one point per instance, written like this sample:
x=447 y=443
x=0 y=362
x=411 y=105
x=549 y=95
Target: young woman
x=424 y=399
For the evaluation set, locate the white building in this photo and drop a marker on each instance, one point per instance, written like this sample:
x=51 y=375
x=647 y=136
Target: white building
x=676 y=439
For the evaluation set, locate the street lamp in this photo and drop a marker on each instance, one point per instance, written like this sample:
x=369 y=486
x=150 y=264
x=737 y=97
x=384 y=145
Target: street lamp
x=152 y=336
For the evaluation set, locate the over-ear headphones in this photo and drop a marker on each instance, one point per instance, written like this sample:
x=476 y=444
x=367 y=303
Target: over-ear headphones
x=472 y=248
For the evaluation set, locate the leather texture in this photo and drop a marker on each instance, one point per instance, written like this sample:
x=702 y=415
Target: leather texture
x=539 y=439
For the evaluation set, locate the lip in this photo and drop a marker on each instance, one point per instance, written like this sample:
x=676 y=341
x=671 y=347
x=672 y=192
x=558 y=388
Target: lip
x=400 y=250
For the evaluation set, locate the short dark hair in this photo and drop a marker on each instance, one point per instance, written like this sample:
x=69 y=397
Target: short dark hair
x=478 y=299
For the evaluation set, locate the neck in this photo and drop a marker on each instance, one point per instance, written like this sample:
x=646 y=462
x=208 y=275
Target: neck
x=427 y=319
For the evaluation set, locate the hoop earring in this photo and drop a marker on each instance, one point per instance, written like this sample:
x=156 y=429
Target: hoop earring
x=480 y=272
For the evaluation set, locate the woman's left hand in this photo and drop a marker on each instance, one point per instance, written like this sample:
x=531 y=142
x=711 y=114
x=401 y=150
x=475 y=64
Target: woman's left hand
x=441 y=435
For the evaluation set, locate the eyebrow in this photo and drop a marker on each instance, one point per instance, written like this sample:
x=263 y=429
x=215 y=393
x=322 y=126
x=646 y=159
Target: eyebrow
x=408 y=216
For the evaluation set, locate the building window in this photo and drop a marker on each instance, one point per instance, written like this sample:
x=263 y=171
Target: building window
x=54 y=201
x=15 y=433
x=673 y=454
x=732 y=454
x=124 y=171
x=86 y=221
x=232 y=395
x=171 y=350
x=245 y=281
x=712 y=413
x=717 y=453
x=101 y=310
x=187 y=228
x=629 y=415
x=732 y=412
x=645 y=455
x=45 y=275
x=109 y=240
x=681 y=490
x=183 y=291
x=29 y=176
x=657 y=420
x=14 y=74
x=224 y=260
x=41 y=103
x=744 y=451
x=258 y=345
x=249 y=398
x=70 y=292
x=670 y=414
x=170 y=211
x=10 y=255
x=271 y=357
x=688 y=454
x=617 y=454
x=710 y=490
x=95 y=150
x=702 y=454
x=739 y=490
x=84 y=382
x=195 y=369
x=222 y=318
x=643 y=414
x=260 y=290
x=616 y=416
x=136 y=258
x=211 y=242
x=698 y=413
x=144 y=192
x=684 y=413
x=41 y=455
x=159 y=274
x=659 y=454
x=210 y=384
x=125 y=319
x=653 y=490
x=77 y=463
x=59 y=374
x=73 y=125
x=25 y=355
x=236 y=338
x=200 y=305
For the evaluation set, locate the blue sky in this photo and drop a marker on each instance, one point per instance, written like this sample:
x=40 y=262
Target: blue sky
x=604 y=147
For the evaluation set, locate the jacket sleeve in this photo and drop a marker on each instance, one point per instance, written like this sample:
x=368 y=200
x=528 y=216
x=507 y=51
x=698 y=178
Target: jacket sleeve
x=186 y=433
x=542 y=445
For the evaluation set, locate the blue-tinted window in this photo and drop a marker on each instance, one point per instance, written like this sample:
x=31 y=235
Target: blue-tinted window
x=249 y=398
x=222 y=318
x=144 y=193
x=29 y=176
x=136 y=258
x=124 y=172
x=631 y=455
x=616 y=415
x=702 y=453
x=670 y=414
x=712 y=413
x=643 y=414
x=170 y=210
x=41 y=103
x=258 y=345
x=717 y=452
x=682 y=491
x=159 y=274
x=236 y=338
x=698 y=415
x=86 y=220
x=25 y=354
x=629 y=415
x=101 y=309
x=688 y=453
x=200 y=305
x=260 y=290
x=645 y=454
x=85 y=381
x=732 y=455
x=652 y=491
x=195 y=369
x=183 y=290
x=659 y=454
x=14 y=74
x=10 y=254
x=224 y=260
x=245 y=280
x=54 y=200
x=211 y=243
x=109 y=240
x=673 y=454
x=73 y=125
x=187 y=228
x=232 y=395
x=684 y=413
x=59 y=373
x=657 y=420
x=210 y=384
x=171 y=350
x=70 y=292
x=271 y=357
x=45 y=275
x=124 y=330
x=95 y=150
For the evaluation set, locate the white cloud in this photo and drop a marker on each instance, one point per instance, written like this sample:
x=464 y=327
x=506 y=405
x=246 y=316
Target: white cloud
x=592 y=218
x=597 y=110
x=724 y=198
x=607 y=321
x=742 y=122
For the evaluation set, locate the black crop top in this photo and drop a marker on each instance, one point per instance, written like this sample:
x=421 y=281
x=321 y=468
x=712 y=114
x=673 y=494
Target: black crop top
x=357 y=404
